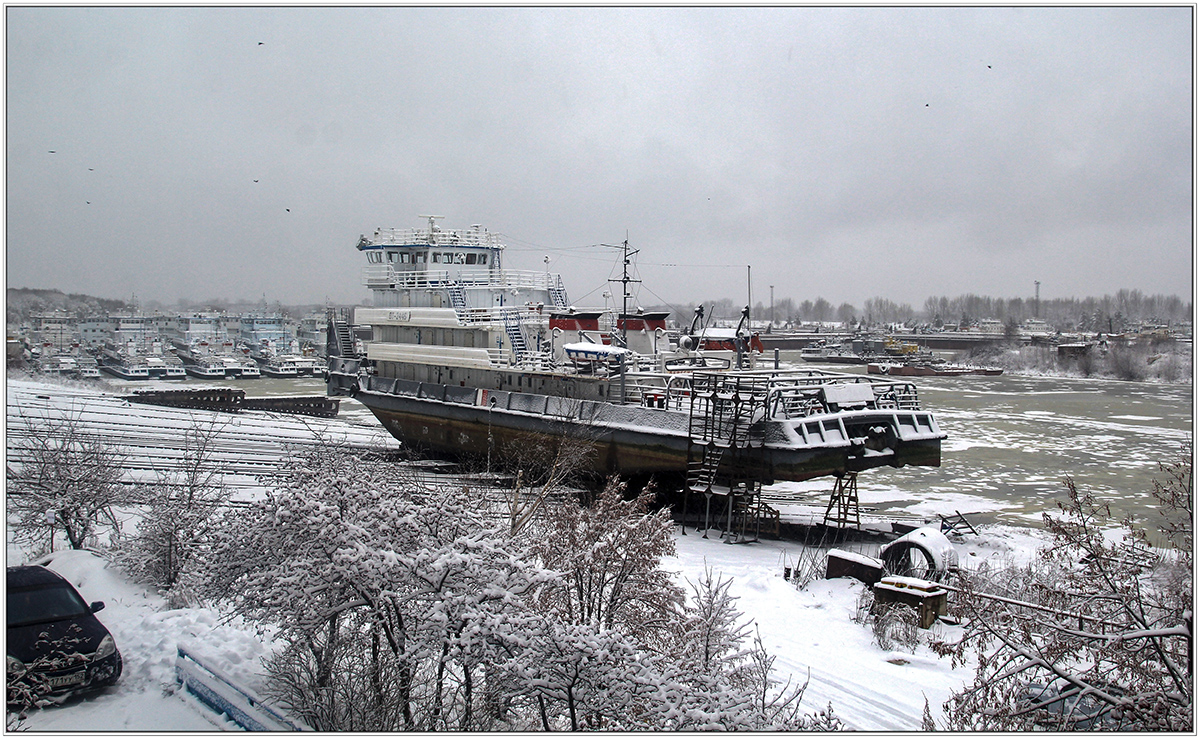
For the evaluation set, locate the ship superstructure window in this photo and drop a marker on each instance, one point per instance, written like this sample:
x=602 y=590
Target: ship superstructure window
x=391 y=257
x=420 y=257
x=471 y=258
x=374 y=257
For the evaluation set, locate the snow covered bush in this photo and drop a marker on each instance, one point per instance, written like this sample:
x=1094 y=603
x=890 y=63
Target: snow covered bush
x=626 y=652
x=893 y=625
x=176 y=511
x=406 y=606
x=391 y=595
x=608 y=557
x=1095 y=634
x=62 y=480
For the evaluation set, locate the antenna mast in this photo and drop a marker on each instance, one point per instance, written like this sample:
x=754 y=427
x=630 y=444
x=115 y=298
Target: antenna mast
x=625 y=280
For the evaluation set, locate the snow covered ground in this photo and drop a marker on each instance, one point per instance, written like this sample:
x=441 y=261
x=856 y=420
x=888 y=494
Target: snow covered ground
x=809 y=629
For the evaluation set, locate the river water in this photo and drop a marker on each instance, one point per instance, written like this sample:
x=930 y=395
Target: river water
x=1011 y=441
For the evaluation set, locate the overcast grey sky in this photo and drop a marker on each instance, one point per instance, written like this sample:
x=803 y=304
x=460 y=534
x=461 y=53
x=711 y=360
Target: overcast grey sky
x=846 y=152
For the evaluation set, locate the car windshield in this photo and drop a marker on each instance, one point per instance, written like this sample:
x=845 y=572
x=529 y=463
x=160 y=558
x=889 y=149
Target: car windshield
x=52 y=603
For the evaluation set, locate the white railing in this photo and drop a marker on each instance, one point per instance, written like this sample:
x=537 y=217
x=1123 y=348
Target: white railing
x=510 y=278
x=425 y=236
x=379 y=275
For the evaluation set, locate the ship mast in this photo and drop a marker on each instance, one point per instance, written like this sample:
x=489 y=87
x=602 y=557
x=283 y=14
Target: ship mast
x=625 y=280
x=622 y=321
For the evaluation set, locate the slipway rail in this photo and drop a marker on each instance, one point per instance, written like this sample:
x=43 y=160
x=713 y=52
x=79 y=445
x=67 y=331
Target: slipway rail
x=246 y=447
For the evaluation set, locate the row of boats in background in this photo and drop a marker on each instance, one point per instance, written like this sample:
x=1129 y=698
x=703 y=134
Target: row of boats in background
x=888 y=356
x=209 y=345
x=205 y=345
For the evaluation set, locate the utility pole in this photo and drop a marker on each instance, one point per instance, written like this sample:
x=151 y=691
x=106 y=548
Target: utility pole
x=749 y=300
x=772 y=305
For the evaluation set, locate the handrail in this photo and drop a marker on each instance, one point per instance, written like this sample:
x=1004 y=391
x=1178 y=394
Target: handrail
x=428 y=237
x=387 y=274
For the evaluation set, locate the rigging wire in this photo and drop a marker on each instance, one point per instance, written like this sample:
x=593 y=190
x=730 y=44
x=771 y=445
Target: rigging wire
x=583 y=252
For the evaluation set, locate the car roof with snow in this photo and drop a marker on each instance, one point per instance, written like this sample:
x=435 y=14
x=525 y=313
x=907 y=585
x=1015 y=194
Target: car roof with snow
x=28 y=576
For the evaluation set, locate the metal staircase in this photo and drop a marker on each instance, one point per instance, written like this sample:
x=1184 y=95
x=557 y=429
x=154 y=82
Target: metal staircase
x=340 y=339
x=512 y=327
x=724 y=410
x=558 y=293
x=458 y=298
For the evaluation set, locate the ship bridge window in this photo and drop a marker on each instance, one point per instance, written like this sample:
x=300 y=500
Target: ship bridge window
x=405 y=258
x=391 y=256
x=459 y=258
x=471 y=258
x=420 y=257
x=483 y=258
x=374 y=257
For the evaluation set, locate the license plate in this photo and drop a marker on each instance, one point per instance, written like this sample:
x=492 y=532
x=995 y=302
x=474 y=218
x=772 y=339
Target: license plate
x=59 y=681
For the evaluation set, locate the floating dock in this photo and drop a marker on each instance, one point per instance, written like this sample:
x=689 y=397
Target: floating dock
x=232 y=400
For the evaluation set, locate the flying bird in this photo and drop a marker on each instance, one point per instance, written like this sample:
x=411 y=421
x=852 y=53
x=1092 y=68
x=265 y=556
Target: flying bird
x=90 y=169
x=52 y=151
x=256 y=180
x=260 y=43
x=289 y=210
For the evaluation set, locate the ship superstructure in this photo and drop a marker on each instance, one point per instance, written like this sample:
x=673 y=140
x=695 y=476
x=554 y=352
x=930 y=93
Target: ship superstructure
x=467 y=358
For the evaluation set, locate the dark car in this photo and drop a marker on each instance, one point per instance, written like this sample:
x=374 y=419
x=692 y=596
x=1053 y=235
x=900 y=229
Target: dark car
x=1067 y=707
x=56 y=646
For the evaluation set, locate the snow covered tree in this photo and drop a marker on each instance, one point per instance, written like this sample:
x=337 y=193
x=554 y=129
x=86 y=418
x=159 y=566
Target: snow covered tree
x=63 y=480
x=608 y=556
x=543 y=470
x=409 y=606
x=1095 y=634
x=394 y=598
x=622 y=651
x=710 y=634
x=177 y=511
x=728 y=686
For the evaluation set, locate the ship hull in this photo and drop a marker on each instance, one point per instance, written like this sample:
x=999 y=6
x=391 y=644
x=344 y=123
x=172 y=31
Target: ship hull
x=625 y=440
x=926 y=370
x=205 y=373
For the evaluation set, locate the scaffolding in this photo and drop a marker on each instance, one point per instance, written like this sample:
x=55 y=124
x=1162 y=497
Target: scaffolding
x=725 y=427
x=842 y=510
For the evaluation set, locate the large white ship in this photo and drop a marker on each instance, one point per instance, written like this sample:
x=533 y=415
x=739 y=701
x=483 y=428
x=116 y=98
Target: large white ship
x=467 y=357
